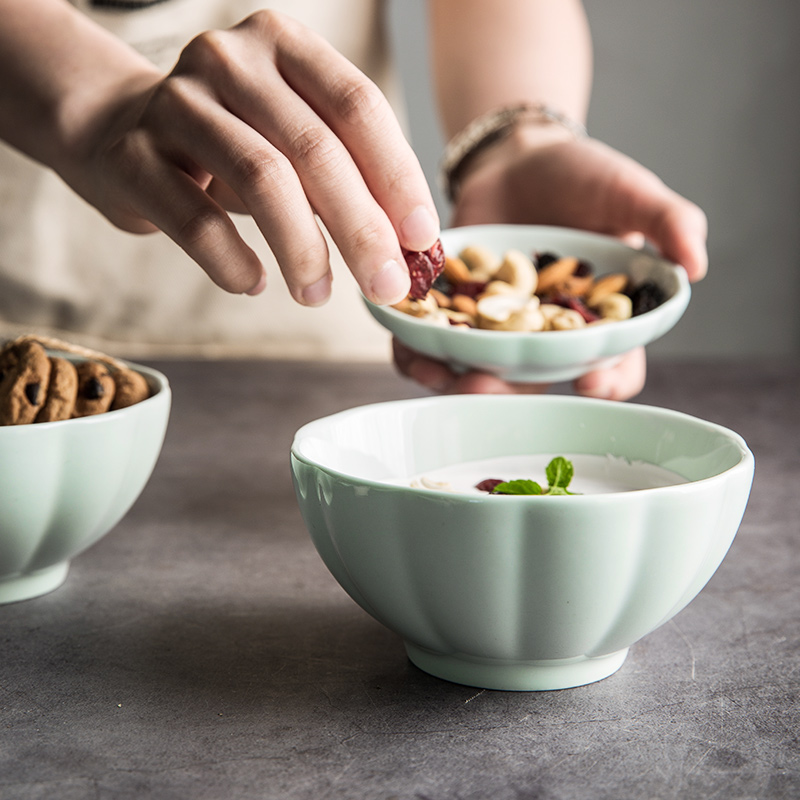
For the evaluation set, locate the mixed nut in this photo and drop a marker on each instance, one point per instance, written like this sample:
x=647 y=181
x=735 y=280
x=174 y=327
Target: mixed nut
x=542 y=292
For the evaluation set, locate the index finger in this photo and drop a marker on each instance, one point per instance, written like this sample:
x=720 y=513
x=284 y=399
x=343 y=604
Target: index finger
x=361 y=117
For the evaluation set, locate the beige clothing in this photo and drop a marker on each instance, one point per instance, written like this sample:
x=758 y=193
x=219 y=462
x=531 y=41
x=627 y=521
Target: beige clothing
x=65 y=270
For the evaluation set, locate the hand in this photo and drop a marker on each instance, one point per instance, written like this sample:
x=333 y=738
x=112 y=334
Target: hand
x=540 y=176
x=268 y=119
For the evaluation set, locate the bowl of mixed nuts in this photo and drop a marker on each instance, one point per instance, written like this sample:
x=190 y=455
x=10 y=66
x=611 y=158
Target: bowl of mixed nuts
x=520 y=542
x=535 y=303
x=80 y=434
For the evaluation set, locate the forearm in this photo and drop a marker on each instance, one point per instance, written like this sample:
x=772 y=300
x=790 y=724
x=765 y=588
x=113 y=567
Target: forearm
x=59 y=71
x=487 y=55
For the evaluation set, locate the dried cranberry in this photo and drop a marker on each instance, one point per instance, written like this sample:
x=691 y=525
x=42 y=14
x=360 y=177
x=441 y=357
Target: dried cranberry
x=424 y=267
x=488 y=485
x=568 y=301
x=470 y=288
x=32 y=393
x=645 y=297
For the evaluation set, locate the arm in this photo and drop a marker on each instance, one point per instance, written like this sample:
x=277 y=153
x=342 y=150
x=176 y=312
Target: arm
x=265 y=118
x=490 y=55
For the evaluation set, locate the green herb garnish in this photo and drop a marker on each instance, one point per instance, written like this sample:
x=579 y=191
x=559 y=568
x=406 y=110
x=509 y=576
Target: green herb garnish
x=559 y=474
x=521 y=486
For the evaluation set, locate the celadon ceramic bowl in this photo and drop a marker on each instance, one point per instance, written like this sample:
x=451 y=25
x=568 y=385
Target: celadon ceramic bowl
x=64 y=485
x=507 y=592
x=546 y=356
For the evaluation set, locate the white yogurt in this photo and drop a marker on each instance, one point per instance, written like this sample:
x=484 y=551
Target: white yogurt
x=593 y=474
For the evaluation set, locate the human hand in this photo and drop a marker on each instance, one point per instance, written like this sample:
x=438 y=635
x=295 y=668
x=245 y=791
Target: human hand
x=268 y=119
x=540 y=176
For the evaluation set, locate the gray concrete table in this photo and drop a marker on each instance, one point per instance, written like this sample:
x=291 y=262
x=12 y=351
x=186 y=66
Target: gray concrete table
x=201 y=650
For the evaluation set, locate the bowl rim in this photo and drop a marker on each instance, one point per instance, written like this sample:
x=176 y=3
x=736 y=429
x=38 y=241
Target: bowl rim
x=746 y=460
x=158 y=381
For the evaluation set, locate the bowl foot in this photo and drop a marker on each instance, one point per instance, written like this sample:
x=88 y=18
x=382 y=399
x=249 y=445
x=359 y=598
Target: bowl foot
x=517 y=676
x=32 y=584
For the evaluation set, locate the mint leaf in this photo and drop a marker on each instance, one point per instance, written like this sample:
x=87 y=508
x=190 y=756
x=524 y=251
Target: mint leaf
x=521 y=486
x=559 y=474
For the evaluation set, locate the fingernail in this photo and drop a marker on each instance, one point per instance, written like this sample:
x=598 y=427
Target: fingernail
x=318 y=292
x=391 y=284
x=419 y=230
x=260 y=286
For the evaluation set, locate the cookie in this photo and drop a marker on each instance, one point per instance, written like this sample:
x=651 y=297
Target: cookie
x=62 y=391
x=131 y=388
x=96 y=389
x=24 y=376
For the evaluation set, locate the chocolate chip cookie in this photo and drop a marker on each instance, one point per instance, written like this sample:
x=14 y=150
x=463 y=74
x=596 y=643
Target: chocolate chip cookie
x=24 y=377
x=96 y=389
x=62 y=391
x=131 y=388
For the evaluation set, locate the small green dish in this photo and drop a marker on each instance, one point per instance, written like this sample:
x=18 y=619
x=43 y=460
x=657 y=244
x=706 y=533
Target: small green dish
x=548 y=356
x=64 y=485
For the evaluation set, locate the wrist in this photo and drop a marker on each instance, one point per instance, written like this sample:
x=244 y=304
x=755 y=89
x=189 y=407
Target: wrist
x=518 y=127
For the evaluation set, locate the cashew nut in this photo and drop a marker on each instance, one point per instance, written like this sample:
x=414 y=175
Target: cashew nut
x=442 y=300
x=509 y=312
x=417 y=308
x=615 y=306
x=481 y=262
x=460 y=318
x=567 y=320
x=497 y=287
x=518 y=271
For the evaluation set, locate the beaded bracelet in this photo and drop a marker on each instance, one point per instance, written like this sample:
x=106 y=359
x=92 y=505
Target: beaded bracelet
x=487 y=129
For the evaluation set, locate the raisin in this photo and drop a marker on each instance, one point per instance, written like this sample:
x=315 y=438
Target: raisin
x=541 y=260
x=424 y=267
x=32 y=393
x=488 y=485
x=93 y=389
x=645 y=297
x=443 y=285
x=583 y=270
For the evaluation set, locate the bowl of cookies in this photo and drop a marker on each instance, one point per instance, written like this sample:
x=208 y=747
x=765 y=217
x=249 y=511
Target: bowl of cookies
x=534 y=304
x=80 y=434
x=520 y=542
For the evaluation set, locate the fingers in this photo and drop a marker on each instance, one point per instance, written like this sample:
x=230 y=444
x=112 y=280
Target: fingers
x=361 y=117
x=157 y=190
x=340 y=134
x=250 y=173
x=437 y=377
x=311 y=136
x=642 y=205
x=678 y=228
x=621 y=382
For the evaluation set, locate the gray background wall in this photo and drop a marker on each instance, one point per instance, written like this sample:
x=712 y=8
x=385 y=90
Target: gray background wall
x=706 y=93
